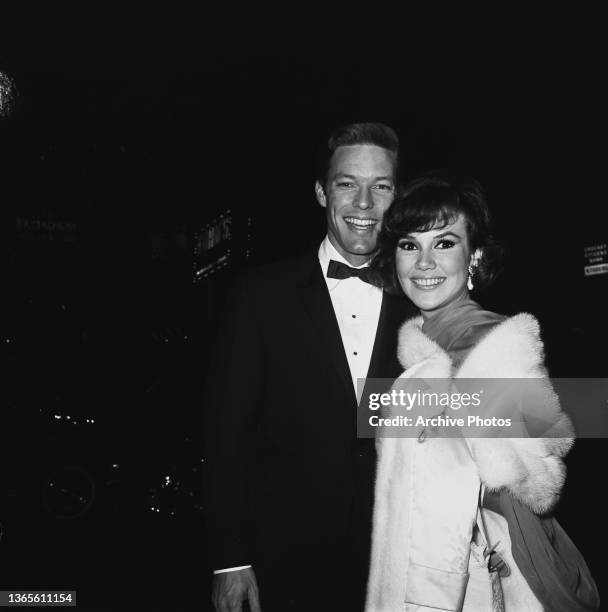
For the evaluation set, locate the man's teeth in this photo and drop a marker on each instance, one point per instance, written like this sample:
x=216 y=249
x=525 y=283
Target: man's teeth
x=360 y=222
x=427 y=282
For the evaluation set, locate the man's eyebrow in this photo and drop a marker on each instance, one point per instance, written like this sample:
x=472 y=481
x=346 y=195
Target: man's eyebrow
x=342 y=175
x=352 y=176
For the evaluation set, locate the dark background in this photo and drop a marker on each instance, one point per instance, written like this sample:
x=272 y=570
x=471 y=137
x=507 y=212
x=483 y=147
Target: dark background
x=130 y=132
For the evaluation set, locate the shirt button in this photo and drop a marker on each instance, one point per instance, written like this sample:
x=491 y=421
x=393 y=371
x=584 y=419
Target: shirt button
x=354 y=316
x=354 y=352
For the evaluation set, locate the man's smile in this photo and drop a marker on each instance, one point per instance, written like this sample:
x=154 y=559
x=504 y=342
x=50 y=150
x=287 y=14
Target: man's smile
x=361 y=224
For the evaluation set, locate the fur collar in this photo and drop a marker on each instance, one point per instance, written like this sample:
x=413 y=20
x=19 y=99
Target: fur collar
x=518 y=339
x=530 y=468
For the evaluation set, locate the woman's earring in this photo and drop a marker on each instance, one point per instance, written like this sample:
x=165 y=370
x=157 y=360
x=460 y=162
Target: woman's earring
x=470 y=279
x=472 y=267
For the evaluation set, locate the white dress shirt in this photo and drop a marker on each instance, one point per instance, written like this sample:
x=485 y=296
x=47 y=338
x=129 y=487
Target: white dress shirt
x=357 y=308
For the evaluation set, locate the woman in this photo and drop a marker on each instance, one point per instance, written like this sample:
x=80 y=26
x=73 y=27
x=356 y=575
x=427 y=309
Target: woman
x=429 y=537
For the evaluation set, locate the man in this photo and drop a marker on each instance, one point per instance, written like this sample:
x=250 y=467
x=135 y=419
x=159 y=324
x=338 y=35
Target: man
x=290 y=487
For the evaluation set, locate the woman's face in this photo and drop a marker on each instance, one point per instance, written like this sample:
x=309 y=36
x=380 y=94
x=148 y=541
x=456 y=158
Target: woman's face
x=433 y=266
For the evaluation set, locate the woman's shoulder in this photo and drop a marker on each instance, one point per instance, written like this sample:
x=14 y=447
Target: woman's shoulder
x=512 y=344
x=504 y=328
x=473 y=328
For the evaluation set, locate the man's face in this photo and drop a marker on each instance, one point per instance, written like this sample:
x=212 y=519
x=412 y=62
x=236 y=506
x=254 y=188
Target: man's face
x=360 y=187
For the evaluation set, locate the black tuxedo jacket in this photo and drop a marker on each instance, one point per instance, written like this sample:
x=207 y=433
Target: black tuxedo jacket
x=288 y=482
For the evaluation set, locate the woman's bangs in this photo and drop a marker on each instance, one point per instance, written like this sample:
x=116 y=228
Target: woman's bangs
x=431 y=216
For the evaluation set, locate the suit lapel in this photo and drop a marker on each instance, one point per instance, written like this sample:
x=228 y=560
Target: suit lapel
x=383 y=363
x=393 y=312
x=317 y=303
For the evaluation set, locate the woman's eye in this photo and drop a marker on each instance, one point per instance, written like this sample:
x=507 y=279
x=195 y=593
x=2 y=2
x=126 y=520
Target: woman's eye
x=406 y=245
x=445 y=244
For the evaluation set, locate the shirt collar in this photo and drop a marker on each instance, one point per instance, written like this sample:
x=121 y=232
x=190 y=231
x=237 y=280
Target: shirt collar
x=327 y=251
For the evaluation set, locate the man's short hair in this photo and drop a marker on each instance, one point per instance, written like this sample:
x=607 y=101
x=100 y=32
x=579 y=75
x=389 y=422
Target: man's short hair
x=376 y=134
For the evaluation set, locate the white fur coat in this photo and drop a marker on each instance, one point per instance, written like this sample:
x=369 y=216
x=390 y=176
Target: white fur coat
x=426 y=496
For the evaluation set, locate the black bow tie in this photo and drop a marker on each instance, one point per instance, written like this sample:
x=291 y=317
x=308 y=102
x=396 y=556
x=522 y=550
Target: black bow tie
x=337 y=269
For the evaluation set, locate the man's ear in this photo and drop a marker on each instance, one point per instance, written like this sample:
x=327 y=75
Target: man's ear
x=320 y=193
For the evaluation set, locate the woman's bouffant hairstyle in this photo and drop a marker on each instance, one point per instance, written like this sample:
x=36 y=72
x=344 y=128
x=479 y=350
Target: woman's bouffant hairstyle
x=432 y=202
